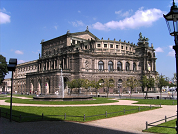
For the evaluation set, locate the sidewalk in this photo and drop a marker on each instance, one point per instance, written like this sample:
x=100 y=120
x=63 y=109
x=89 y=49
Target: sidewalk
x=128 y=124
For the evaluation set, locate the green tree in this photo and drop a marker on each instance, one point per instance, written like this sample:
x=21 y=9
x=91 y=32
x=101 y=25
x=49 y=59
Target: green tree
x=3 y=68
x=147 y=82
x=108 y=83
x=71 y=85
x=132 y=82
x=96 y=85
x=161 y=81
x=86 y=84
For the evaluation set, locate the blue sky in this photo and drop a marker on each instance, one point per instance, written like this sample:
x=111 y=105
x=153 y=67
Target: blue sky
x=24 y=23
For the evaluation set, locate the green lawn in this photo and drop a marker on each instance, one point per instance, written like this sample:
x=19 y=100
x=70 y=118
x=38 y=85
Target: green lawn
x=171 y=123
x=31 y=101
x=155 y=101
x=75 y=111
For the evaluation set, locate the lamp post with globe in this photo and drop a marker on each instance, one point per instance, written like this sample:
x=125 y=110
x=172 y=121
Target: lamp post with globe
x=172 y=24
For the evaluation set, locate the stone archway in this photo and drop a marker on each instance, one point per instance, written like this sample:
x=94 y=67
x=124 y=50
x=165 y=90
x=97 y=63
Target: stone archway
x=31 y=87
x=39 y=87
x=65 y=85
x=47 y=87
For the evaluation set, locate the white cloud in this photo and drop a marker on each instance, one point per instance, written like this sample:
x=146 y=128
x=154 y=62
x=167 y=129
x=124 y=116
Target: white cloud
x=171 y=53
x=77 y=23
x=141 y=18
x=20 y=61
x=159 y=49
x=18 y=52
x=56 y=27
x=118 y=12
x=79 y=11
x=4 y=18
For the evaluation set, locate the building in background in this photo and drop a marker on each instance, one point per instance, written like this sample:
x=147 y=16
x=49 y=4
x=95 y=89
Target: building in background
x=83 y=55
x=5 y=87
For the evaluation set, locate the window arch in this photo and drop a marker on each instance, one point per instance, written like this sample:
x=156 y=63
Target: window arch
x=101 y=65
x=127 y=66
x=110 y=66
x=134 y=66
x=119 y=66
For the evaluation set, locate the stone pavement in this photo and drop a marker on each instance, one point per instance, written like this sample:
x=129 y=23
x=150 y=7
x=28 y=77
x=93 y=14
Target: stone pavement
x=128 y=124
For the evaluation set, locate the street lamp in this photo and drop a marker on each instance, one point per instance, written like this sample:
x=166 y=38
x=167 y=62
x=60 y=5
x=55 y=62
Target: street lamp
x=172 y=24
x=11 y=67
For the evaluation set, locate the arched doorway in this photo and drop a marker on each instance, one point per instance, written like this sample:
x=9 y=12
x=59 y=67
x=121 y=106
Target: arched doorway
x=39 y=87
x=66 y=90
x=31 y=87
x=47 y=86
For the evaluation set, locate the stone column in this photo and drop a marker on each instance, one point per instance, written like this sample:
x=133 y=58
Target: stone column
x=54 y=63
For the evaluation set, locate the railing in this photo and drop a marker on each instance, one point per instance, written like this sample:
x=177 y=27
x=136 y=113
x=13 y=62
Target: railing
x=41 y=117
x=165 y=120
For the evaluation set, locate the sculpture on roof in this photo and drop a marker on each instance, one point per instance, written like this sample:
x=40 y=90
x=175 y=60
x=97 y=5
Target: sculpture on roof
x=141 y=38
x=87 y=29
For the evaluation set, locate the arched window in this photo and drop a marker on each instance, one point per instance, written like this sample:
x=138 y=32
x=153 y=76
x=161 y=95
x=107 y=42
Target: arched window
x=127 y=66
x=101 y=65
x=119 y=66
x=110 y=66
x=134 y=67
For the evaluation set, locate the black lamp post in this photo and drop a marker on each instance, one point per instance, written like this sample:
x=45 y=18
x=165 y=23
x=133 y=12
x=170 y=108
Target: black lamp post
x=172 y=24
x=11 y=67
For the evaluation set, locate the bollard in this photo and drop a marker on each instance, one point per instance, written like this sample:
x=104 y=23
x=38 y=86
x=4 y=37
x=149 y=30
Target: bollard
x=20 y=117
x=150 y=106
x=165 y=118
x=160 y=104
x=146 y=125
x=84 y=117
x=124 y=110
x=64 y=116
x=42 y=116
x=106 y=114
x=139 y=108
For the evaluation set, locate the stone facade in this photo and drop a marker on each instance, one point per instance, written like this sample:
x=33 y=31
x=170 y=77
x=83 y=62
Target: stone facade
x=83 y=55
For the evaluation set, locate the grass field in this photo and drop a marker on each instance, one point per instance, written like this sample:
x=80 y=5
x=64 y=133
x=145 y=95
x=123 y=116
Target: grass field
x=155 y=101
x=164 y=130
x=31 y=101
x=73 y=111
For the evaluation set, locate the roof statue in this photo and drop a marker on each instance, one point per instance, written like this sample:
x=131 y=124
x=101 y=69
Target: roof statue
x=141 y=38
x=87 y=29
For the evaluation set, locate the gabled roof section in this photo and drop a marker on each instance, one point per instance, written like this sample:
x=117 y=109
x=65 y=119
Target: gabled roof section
x=86 y=32
x=77 y=34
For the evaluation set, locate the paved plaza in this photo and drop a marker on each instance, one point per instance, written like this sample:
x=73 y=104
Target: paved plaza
x=127 y=124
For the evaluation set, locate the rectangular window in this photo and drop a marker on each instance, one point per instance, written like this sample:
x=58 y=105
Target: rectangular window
x=73 y=41
x=78 y=42
x=98 y=45
x=122 y=47
x=105 y=45
x=111 y=45
x=117 y=46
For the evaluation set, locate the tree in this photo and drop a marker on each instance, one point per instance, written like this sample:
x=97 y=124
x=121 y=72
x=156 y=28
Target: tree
x=174 y=79
x=86 y=84
x=108 y=83
x=161 y=81
x=147 y=82
x=71 y=85
x=131 y=82
x=96 y=85
x=3 y=68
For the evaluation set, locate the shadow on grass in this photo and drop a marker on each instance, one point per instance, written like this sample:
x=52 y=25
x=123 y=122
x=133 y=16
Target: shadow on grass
x=19 y=116
x=54 y=127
